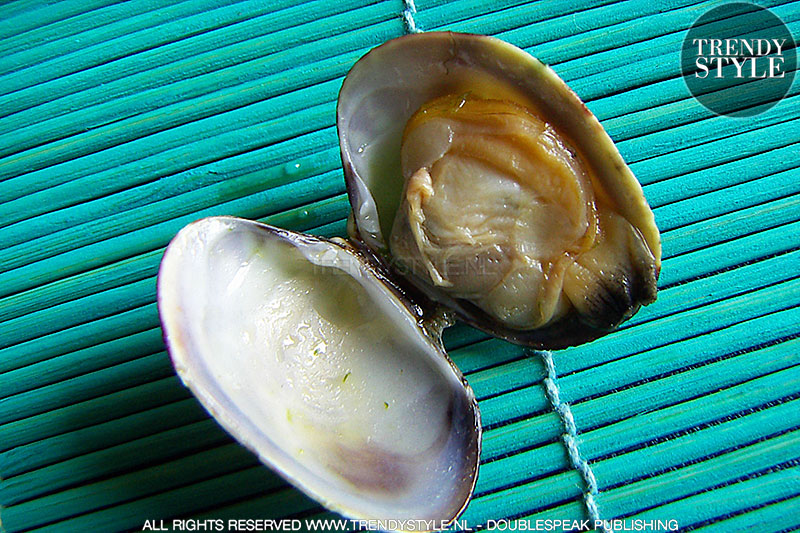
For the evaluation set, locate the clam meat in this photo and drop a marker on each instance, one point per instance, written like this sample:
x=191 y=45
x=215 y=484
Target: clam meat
x=482 y=177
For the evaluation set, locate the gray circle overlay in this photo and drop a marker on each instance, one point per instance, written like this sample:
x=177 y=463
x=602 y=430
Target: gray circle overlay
x=738 y=59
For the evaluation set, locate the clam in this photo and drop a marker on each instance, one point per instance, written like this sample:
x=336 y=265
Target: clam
x=481 y=177
x=480 y=185
x=303 y=351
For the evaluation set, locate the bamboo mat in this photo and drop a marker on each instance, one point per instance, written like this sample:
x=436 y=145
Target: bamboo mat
x=122 y=122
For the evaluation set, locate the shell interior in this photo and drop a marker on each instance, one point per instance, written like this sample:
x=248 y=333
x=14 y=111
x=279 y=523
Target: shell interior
x=308 y=359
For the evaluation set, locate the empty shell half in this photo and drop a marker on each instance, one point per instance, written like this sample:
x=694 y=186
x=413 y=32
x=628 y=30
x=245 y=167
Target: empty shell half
x=480 y=176
x=310 y=358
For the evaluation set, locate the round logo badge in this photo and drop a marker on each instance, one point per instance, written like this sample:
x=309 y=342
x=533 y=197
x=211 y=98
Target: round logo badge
x=738 y=59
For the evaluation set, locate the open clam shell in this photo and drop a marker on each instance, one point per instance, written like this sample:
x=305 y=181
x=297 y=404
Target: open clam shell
x=301 y=350
x=582 y=261
x=318 y=354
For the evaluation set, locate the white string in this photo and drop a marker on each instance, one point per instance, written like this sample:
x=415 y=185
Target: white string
x=571 y=440
x=408 y=16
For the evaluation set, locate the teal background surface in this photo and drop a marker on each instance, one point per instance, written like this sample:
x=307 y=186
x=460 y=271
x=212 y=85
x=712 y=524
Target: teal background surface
x=120 y=122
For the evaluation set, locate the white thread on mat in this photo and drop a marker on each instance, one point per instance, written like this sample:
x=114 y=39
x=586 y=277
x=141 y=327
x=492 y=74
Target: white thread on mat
x=571 y=439
x=408 y=16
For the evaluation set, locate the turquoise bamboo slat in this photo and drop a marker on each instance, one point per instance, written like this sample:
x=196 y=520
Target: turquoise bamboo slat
x=621 y=405
x=78 y=312
x=686 y=481
x=13 y=304
x=783 y=223
x=131 y=209
x=96 y=255
x=88 y=18
x=613 y=350
x=782 y=516
x=161 y=31
x=77 y=286
x=556 y=488
x=655 y=21
x=26 y=16
x=509 y=407
x=623 y=469
x=493 y=21
x=681 y=409
x=120 y=376
x=679 y=140
x=90 y=439
x=174 y=102
x=488 y=383
x=184 y=500
x=90 y=412
x=130 y=18
x=96 y=357
x=727 y=200
x=621 y=428
x=734 y=434
x=115 y=460
x=485 y=353
x=710 y=179
x=721 y=286
x=670 y=40
x=769 y=487
x=166 y=29
x=750 y=380
x=215 y=144
x=84 y=336
x=432 y=15
x=27 y=278
x=203 y=466
x=228 y=60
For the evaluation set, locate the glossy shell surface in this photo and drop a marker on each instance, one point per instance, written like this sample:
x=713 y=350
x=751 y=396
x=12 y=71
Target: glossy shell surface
x=304 y=354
